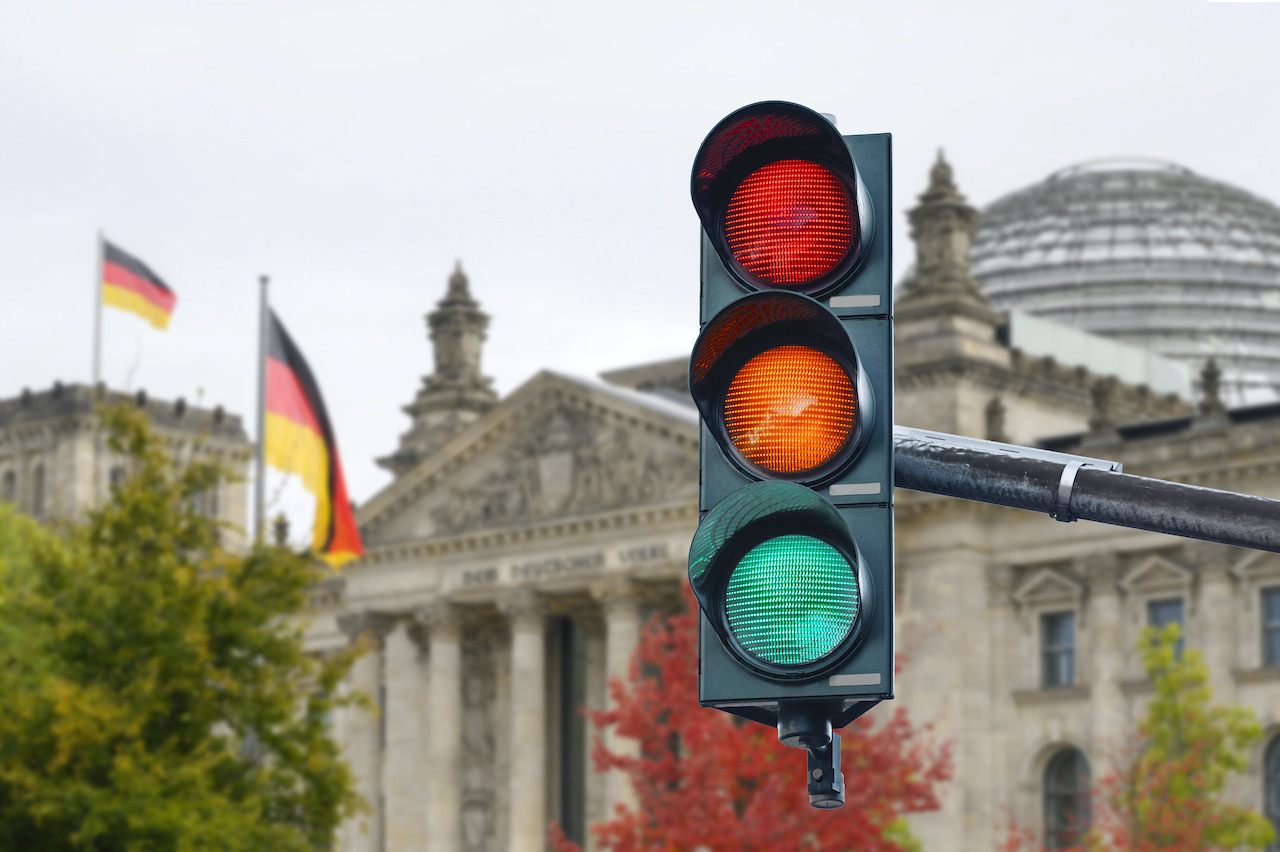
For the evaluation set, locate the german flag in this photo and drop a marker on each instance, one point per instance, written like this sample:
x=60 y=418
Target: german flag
x=299 y=440
x=128 y=284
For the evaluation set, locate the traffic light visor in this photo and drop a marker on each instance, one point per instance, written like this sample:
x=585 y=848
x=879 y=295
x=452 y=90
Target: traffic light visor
x=779 y=198
x=779 y=386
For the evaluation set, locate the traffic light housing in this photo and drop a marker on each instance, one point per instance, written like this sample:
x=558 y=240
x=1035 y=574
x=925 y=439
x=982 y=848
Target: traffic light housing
x=792 y=373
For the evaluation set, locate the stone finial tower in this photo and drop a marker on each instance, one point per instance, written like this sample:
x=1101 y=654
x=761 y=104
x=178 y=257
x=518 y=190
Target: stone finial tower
x=941 y=311
x=942 y=227
x=456 y=394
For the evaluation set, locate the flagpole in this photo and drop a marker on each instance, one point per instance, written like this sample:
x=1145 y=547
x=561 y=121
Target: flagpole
x=97 y=364
x=97 y=313
x=260 y=476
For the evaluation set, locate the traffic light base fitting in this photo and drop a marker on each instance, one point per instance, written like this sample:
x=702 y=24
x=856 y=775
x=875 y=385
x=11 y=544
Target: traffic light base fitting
x=808 y=726
x=826 y=781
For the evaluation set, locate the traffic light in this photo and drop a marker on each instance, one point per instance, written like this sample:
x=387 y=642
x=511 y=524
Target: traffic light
x=792 y=562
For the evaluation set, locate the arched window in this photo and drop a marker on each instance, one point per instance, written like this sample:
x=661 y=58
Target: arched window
x=1066 y=799
x=1271 y=789
x=37 y=491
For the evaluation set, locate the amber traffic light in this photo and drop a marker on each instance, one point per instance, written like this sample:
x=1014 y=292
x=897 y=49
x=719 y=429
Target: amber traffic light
x=790 y=409
x=779 y=385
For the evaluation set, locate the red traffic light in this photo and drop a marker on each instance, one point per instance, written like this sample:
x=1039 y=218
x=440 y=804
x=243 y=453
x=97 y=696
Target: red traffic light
x=790 y=222
x=779 y=197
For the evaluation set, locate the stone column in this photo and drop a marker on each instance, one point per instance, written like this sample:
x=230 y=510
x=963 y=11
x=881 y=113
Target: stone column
x=1216 y=615
x=403 y=792
x=1006 y=679
x=528 y=722
x=622 y=633
x=443 y=728
x=363 y=729
x=1108 y=708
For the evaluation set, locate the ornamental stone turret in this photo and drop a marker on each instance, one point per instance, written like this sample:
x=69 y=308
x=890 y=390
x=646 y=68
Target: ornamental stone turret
x=942 y=226
x=456 y=394
x=940 y=310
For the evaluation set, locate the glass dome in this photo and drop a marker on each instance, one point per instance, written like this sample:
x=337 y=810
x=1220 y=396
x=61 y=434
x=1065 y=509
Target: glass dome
x=1148 y=253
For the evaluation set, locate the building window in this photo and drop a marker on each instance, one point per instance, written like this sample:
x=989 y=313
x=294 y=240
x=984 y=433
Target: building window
x=1057 y=649
x=37 y=491
x=382 y=717
x=116 y=475
x=1066 y=800
x=1162 y=613
x=1271 y=627
x=1271 y=789
x=10 y=492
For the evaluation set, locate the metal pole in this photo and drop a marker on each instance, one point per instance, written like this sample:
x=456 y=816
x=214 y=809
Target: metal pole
x=260 y=474
x=97 y=312
x=99 y=282
x=1069 y=487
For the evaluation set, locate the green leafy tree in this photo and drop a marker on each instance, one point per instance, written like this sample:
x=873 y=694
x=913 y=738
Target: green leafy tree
x=154 y=689
x=1167 y=793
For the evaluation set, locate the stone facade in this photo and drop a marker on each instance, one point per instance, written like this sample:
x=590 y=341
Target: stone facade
x=505 y=582
x=509 y=570
x=55 y=462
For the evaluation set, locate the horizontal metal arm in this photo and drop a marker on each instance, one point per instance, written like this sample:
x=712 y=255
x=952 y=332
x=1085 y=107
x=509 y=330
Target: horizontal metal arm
x=1068 y=487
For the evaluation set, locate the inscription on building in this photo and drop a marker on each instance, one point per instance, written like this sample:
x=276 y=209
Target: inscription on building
x=557 y=565
x=563 y=565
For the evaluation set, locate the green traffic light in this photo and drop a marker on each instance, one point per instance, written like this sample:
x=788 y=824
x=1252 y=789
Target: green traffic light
x=791 y=600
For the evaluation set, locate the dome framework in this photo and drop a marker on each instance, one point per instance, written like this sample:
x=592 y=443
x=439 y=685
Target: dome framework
x=1148 y=253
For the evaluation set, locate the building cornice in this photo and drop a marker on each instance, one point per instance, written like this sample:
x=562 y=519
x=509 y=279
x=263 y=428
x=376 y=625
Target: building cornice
x=478 y=541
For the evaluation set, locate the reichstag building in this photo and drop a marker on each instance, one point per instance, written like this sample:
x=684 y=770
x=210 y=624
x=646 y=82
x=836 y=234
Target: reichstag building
x=1125 y=310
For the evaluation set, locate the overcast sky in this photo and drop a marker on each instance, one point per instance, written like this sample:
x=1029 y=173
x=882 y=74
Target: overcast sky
x=355 y=151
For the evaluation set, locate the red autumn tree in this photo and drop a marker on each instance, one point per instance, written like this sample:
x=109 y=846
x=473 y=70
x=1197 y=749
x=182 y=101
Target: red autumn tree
x=708 y=780
x=1167 y=793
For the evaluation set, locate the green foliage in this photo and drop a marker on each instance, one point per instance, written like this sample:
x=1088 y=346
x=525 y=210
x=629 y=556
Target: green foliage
x=1169 y=794
x=154 y=690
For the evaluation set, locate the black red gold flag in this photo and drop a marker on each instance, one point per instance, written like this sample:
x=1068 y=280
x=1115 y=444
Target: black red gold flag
x=299 y=440
x=129 y=284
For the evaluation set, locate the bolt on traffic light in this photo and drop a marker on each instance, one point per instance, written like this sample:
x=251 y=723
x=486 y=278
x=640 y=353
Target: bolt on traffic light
x=792 y=563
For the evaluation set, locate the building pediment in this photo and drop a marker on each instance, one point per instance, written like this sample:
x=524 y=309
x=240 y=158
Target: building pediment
x=558 y=447
x=1048 y=587
x=1256 y=566
x=1156 y=574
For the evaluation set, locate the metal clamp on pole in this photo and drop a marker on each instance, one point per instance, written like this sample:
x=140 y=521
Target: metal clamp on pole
x=1062 y=512
x=1067 y=484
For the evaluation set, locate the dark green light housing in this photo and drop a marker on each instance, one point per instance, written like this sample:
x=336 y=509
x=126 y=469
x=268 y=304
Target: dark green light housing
x=779 y=575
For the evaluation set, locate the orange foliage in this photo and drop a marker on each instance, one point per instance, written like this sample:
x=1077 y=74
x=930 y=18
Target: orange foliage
x=708 y=780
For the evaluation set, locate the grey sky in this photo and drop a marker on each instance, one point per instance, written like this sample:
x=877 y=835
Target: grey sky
x=354 y=151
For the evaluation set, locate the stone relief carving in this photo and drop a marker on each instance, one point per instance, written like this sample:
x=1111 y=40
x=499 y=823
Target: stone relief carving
x=479 y=790
x=571 y=464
